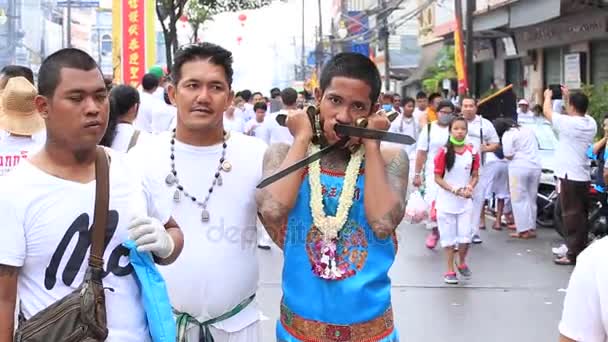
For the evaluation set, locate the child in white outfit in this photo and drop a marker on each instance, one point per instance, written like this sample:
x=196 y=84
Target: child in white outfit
x=456 y=174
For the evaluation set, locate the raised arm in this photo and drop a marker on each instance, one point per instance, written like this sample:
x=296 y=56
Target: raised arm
x=277 y=199
x=8 y=297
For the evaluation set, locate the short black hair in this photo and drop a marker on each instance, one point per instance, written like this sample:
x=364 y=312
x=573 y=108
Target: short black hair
x=260 y=105
x=50 y=70
x=433 y=96
x=257 y=93
x=215 y=54
x=352 y=65
x=468 y=97
x=11 y=71
x=406 y=100
x=275 y=92
x=580 y=102
x=150 y=82
x=246 y=95
x=445 y=103
x=421 y=95
x=289 y=96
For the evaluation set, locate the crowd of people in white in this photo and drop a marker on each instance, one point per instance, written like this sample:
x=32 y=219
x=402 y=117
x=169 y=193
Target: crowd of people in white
x=461 y=164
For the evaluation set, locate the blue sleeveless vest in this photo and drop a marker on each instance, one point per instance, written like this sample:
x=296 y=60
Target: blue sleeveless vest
x=314 y=308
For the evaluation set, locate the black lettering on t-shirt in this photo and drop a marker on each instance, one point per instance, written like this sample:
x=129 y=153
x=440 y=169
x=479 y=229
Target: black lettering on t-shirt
x=81 y=226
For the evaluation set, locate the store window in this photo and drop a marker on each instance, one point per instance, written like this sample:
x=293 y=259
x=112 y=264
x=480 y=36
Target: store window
x=553 y=66
x=514 y=75
x=599 y=62
x=106 y=45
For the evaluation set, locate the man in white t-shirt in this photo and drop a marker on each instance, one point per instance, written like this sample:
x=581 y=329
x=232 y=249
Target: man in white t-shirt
x=19 y=118
x=483 y=136
x=524 y=114
x=576 y=132
x=47 y=205
x=275 y=133
x=584 y=318
x=255 y=126
x=205 y=177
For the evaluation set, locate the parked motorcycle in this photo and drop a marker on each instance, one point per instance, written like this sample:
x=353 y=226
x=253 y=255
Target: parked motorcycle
x=546 y=199
x=597 y=217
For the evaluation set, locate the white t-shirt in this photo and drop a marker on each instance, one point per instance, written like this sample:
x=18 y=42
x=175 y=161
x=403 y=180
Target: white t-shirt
x=407 y=126
x=475 y=129
x=150 y=107
x=585 y=314
x=575 y=133
x=255 y=128
x=525 y=116
x=124 y=132
x=218 y=266
x=439 y=137
x=45 y=228
x=275 y=133
x=236 y=124
x=245 y=113
x=457 y=177
x=14 y=149
x=161 y=122
x=520 y=143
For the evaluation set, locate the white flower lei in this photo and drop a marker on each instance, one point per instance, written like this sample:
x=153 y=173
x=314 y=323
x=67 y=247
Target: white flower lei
x=329 y=226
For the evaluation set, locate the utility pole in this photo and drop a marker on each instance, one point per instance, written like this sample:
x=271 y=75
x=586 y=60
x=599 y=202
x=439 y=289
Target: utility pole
x=69 y=25
x=303 y=66
x=319 y=58
x=384 y=35
x=469 y=46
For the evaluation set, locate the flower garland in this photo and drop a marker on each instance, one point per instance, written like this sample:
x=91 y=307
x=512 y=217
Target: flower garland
x=329 y=226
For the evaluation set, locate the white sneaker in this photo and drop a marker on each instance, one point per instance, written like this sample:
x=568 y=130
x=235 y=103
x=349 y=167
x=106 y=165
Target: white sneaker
x=560 y=251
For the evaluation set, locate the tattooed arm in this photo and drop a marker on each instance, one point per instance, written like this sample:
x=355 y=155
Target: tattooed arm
x=386 y=178
x=277 y=199
x=8 y=296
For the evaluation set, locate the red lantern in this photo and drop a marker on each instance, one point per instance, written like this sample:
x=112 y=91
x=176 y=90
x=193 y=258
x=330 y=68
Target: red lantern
x=239 y=39
x=242 y=18
x=183 y=18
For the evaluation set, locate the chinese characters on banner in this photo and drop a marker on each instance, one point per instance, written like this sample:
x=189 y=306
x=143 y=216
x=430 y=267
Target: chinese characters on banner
x=133 y=41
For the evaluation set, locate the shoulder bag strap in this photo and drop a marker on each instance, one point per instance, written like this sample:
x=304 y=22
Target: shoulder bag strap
x=428 y=138
x=481 y=140
x=134 y=138
x=102 y=198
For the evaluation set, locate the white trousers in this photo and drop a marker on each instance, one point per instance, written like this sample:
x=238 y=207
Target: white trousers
x=524 y=188
x=454 y=228
x=479 y=197
x=250 y=333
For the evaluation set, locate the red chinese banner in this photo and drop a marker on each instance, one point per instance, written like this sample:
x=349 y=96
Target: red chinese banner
x=133 y=41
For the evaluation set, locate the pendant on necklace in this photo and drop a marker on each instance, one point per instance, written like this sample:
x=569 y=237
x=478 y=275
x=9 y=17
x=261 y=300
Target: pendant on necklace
x=205 y=216
x=170 y=179
x=226 y=166
x=176 y=196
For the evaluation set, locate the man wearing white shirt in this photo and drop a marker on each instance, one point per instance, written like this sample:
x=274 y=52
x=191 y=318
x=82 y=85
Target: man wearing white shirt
x=276 y=133
x=524 y=114
x=245 y=113
x=586 y=303
x=407 y=124
x=576 y=131
x=206 y=176
x=483 y=136
x=150 y=106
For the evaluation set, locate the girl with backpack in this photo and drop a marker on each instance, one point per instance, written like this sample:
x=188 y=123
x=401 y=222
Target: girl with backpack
x=456 y=174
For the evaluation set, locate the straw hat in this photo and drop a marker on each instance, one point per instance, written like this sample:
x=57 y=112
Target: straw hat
x=18 y=114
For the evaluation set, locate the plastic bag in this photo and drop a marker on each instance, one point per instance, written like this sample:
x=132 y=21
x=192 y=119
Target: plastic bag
x=154 y=295
x=417 y=209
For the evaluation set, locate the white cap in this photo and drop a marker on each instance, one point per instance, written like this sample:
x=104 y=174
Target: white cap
x=523 y=102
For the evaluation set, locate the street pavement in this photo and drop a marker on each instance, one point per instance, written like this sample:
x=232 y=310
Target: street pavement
x=516 y=292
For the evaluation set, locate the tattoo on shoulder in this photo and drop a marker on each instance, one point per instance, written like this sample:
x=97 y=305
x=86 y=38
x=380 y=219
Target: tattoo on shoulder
x=274 y=156
x=8 y=271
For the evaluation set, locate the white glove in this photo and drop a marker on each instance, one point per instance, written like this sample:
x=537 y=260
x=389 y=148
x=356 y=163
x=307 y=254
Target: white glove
x=150 y=236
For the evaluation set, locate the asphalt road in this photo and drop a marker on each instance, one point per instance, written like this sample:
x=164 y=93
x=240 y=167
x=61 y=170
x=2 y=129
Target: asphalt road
x=516 y=292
